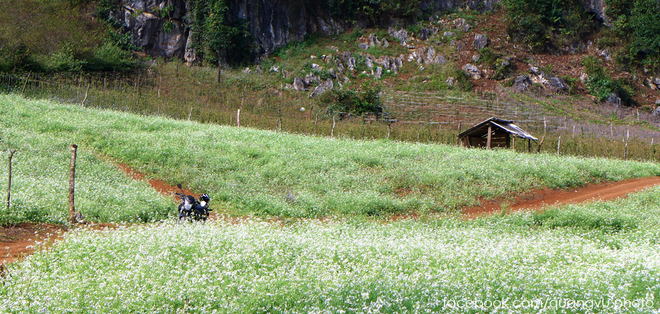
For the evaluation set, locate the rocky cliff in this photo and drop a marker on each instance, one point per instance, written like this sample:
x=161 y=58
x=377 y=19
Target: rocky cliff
x=161 y=27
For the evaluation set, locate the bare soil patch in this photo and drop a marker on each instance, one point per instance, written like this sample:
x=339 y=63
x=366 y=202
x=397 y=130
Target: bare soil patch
x=19 y=241
x=161 y=186
x=539 y=199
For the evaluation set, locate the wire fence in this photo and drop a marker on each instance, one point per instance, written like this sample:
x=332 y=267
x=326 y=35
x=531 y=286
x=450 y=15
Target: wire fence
x=412 y=116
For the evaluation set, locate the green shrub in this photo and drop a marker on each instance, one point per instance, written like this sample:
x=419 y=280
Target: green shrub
x=602 y=85
x=338 y=101
x=110 y=57
x=494 y=61
x=637 y=23
x=463 y=80
x=65 y=61
x=216 y=36
x=16 y=57
x=547 y=24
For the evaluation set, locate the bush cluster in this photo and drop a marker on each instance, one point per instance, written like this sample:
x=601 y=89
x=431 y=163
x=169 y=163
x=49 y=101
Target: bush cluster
x=495 y=61
x=637 y=24
x=602 y=85
x=343 y=101
x=546 y=25
x=217 y=38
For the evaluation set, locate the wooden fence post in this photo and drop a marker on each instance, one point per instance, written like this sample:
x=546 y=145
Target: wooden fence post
x=25 y=84
x=625 y=149
x=488 y=140
x=459 y=133
x=558 y=144
x=332 y=131
x=72 y=183
x=389 y=128
x=11 y=154
x=545 y=128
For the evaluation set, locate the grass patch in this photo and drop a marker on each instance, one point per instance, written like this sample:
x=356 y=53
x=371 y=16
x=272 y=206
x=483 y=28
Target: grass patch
x=271 y=173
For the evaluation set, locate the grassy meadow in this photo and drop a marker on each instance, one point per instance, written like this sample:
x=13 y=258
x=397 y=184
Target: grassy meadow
x=600 y=257
x=261 y=172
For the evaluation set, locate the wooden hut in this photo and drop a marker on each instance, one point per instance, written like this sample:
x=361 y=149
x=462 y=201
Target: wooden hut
x=491 y=133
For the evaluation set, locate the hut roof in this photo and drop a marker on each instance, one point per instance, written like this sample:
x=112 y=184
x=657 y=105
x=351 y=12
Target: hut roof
x=505 y=125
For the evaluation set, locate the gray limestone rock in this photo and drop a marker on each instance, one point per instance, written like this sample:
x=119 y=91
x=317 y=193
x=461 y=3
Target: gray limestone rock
x=350 y=63
x=328 y=84
x=522 y=83
x=614 y=99
x=462 y=25
x=379 y=72
x=368 y=62
x=401 y=35
x=317 y=91
x=298 y=84
x=557 y=84
x=480 y=41
x=472 y=70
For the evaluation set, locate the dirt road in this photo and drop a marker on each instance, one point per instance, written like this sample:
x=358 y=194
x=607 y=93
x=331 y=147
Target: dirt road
x=538 y=199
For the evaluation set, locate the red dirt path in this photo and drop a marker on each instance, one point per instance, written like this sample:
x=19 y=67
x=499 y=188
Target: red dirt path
x=539 y=199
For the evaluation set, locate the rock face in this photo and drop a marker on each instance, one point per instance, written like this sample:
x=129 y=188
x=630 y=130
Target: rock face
x=522 y=83
x=155 y=34
x=273 y=23
x=597 y=7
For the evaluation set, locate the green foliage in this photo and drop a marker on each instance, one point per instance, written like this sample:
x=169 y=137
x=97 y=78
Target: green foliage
x=104 y=8
x=340 y=101
x=216 y=37
x=109 y=57
x=19 y=57
x=545 y=25
x=57 y=36
x=463 y=80
x=296 y=48
x=571 y=82
x=495 y=61
x=602 y=85
x=645 y=22
x=354 y=34
x=637 y=23
x=65 y=61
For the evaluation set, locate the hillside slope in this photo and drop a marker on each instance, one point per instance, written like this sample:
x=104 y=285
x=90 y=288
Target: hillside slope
x=263 y=172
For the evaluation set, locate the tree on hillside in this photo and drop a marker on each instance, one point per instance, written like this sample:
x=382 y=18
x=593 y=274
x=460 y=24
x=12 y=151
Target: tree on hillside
x=226 y=41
